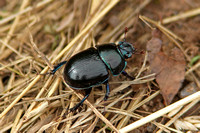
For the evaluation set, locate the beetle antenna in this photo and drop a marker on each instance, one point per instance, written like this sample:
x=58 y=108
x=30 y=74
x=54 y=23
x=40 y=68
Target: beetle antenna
x=125 y=32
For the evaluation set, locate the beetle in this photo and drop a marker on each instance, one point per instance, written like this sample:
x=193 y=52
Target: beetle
x=91 y=67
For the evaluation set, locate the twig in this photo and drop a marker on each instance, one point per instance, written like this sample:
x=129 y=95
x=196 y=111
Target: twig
x=187 y=14
x=160 y=112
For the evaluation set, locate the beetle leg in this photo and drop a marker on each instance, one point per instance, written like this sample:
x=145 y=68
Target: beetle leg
x=107 y=91
x=57 y=67
x=127 y=75
x=87 y=93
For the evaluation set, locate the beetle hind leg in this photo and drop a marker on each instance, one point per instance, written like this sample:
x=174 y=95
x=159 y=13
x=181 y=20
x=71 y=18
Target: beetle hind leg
x=57 y=67
x=127 y=75
x=87 y=93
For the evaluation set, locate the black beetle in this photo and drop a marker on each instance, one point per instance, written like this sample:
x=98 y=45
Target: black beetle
x=91 y=67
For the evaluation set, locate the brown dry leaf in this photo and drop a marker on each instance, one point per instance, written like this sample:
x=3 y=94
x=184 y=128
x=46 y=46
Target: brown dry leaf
x=170 y=70
x=2 y=3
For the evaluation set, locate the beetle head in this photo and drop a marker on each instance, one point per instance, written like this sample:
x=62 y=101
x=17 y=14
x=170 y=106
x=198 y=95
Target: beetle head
x=126 y=49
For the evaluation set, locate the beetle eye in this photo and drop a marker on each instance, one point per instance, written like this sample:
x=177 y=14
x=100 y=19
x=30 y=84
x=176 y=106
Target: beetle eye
x=128 y=55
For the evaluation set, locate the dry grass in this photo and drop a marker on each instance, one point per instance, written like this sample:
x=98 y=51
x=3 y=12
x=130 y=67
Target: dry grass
x=35 y=35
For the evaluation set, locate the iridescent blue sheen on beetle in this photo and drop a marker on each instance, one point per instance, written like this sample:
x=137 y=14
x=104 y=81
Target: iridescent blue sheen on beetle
x=91 y=67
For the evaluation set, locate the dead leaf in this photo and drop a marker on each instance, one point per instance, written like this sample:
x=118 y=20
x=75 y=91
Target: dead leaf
x=169 y=69
x=3 y=3
x=188 y=90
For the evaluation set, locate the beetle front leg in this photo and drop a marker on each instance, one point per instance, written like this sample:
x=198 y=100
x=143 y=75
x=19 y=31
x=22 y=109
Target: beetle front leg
x=107 y=90
x=127 y=75
x=87 y=93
